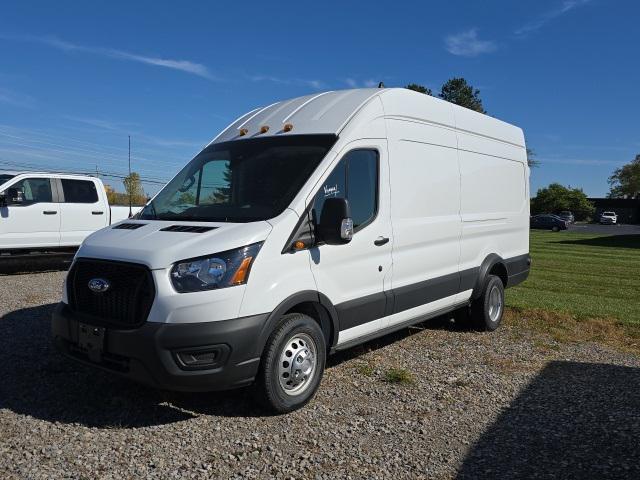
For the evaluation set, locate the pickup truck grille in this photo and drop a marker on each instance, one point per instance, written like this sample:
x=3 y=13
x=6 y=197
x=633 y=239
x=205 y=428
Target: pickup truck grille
x=125 y=303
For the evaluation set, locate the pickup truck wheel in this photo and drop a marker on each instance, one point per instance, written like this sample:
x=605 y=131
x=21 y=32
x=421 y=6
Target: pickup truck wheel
x=487 y=310
x=292 y=363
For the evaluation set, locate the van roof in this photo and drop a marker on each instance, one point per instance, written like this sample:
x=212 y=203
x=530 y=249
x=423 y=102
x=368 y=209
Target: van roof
x=329 y=112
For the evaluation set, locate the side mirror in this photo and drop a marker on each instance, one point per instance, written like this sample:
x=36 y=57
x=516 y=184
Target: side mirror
x=14 y=196
x=336 y=225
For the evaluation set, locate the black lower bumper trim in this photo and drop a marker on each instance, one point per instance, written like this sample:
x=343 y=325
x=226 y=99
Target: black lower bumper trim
x=149 y=354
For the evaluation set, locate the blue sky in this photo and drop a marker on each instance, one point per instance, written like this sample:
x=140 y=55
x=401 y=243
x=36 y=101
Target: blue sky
x=77 y=77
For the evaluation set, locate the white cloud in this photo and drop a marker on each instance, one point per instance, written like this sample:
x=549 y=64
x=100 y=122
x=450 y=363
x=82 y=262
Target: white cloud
x=181 y=65
x=368 y=83
x=565 y=7
x=351 y=83
x=467 y=44
x=16 y=99
x=317 y=84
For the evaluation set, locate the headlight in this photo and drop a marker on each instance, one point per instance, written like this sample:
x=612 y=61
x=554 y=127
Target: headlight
x=224 y=269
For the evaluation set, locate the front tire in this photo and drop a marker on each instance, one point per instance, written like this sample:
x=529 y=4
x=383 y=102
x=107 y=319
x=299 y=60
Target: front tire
x=292 y=363
x=487 y=310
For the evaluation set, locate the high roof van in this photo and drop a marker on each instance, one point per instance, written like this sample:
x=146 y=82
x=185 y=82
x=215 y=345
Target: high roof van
x=305 y=227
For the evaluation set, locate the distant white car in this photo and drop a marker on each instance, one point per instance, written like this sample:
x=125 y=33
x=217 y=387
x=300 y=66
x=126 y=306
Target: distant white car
x=608 y=218
x=50 y=212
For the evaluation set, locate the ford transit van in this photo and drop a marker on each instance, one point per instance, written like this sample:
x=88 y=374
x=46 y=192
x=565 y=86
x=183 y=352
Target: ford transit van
x=305 y=227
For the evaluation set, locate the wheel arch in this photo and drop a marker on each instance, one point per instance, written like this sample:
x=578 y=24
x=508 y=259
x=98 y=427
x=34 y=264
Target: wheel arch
x=308 y=302
x=493 y=264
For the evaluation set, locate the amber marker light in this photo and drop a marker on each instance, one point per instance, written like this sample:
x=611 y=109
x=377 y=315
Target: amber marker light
x=241 y=274
x=264 y=129
x=299 y=245
x=287 y=127
x=243 y=132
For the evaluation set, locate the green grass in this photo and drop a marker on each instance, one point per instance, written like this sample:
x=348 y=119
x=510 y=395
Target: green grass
x=399 y=375
x=586 y=275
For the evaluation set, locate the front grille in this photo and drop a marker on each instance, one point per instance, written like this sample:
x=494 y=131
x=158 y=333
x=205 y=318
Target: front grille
x=127 y=301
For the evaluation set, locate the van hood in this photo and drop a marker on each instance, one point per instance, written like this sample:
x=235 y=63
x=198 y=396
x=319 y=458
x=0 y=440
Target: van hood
x=159 y=244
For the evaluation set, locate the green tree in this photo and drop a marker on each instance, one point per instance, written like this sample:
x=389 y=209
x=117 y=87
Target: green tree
x=531 y=158
x=625 y=181
x=458 y=91
x=133 y=189
x=556 y=197
x=419 y=88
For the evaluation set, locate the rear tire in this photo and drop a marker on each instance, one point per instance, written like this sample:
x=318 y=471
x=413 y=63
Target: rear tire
x=292 y=364
x=487 y=310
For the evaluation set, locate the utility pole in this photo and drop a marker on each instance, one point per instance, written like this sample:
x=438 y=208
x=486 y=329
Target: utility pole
x=130 y=208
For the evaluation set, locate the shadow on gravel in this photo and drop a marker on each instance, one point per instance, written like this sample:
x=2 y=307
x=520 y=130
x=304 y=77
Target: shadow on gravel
x=574 y=420
x=37 y=381
x=615 y=241
x=17 y=266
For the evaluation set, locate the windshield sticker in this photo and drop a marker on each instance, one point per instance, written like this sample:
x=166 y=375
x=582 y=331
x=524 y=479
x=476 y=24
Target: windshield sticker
x=328 y=191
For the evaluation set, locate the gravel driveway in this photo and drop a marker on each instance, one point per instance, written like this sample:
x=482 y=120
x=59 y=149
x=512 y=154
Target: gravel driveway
x=510 y=404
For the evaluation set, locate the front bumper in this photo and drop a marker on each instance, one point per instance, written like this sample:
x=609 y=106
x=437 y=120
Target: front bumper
x=149 y=354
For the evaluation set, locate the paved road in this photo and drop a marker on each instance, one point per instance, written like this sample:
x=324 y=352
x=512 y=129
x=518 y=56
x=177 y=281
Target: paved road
x=606 y=229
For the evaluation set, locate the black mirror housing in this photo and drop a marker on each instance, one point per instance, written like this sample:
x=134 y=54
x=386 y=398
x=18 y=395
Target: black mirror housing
x=336 y=225
x=14 y=196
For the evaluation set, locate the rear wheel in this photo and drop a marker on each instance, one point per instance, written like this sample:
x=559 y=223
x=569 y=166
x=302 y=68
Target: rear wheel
x=292 y=363
x=487 y=310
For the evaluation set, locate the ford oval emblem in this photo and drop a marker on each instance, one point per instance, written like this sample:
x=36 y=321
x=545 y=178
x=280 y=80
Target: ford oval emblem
x=99 y=285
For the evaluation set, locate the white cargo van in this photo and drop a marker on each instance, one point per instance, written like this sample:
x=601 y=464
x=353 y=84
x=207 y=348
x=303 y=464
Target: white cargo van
x=305 y=227
x=43 y=212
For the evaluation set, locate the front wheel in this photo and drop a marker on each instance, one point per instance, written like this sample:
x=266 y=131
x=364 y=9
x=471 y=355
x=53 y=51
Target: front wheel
x=292 y=364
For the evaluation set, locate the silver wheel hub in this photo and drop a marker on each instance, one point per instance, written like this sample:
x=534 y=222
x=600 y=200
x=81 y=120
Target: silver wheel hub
x=297 y=364
x=495 y=304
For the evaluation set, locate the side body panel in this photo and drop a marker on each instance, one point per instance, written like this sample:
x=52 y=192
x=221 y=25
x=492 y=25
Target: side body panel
x=495 y=189
x=425 y=212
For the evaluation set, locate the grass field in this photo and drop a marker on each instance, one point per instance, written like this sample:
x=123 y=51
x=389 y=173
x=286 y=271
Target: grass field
x=587 y=276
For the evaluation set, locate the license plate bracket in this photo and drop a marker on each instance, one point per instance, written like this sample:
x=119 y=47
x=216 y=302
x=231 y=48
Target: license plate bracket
x=91 y=340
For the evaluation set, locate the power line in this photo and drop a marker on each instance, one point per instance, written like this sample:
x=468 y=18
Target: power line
x=37 y=168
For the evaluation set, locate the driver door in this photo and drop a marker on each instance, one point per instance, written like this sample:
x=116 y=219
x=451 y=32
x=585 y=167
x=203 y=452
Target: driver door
x=356 y=275
x=33 y=223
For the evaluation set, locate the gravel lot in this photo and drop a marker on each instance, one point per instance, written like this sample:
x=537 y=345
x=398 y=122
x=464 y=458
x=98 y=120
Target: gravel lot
x=510 y=404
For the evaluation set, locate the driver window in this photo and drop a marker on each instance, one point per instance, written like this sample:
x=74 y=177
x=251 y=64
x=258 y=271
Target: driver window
x=356 y=179
x=35 y=190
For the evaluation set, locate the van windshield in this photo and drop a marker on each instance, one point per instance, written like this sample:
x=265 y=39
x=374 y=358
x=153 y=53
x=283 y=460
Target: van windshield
x=240 y=181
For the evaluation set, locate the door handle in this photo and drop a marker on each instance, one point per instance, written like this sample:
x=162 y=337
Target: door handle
x=97 y=213
x=378 y=242
x=49 y=212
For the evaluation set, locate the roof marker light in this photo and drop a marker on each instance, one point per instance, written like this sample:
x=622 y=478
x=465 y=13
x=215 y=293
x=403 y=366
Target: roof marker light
x=243 y=132
x=264 y=129
x=287 y=127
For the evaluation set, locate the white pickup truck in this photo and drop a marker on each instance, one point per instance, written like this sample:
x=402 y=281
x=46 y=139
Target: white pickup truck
x=51 y=212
